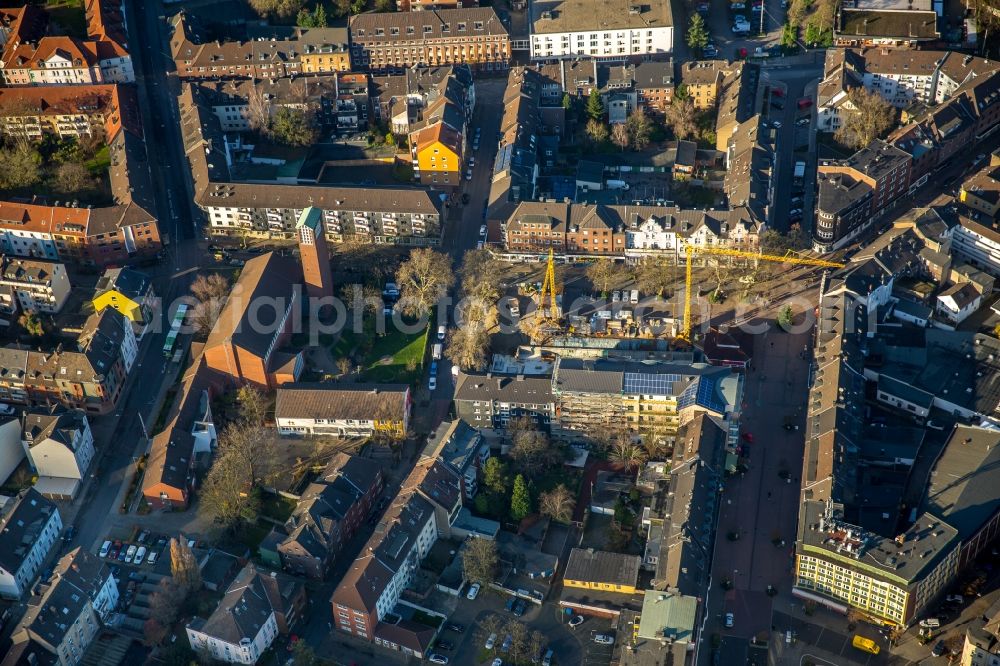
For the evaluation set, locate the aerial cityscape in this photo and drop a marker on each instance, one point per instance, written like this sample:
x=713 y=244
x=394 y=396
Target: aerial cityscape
x=500 y=332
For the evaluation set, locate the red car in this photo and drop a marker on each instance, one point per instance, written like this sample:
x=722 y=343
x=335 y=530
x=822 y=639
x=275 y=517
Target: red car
x=777 y=92
x=748 y=436
x=805 y=103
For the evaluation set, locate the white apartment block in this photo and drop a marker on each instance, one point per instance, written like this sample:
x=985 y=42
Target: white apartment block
x=59 y=443
x=666 y=234
x=246 y=650
x=977 y=244
x=29 y=527
x=582 y=29
x=39 y=286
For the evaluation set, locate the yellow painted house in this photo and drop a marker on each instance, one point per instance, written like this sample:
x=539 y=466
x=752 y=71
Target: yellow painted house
x=437 y=155
x=127 y=290
x=601 y=570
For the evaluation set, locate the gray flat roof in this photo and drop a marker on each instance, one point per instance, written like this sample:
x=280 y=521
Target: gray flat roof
x=587 y=15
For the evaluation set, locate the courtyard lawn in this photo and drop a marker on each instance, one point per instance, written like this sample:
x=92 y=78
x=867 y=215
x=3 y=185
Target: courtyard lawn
x=393 y=357
x=70 y=15
x=276 y=507
x=100 y=162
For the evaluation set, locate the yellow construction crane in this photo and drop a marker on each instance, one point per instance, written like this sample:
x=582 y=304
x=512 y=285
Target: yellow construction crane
x=548 y=306
x=691 y=250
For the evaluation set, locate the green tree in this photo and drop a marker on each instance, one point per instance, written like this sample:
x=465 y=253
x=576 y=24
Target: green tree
x=785 y=317
x=595 y=107
x=495 y=475
x=294 y=127
x=304 y=19
x=697 y=34
x=319 y=16
x=520 y=500
x=789 y=35
x=31 y=323
x=567 y=102
x=390 y=139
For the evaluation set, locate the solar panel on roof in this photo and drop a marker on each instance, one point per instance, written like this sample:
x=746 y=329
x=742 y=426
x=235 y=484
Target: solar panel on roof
x=650 y=384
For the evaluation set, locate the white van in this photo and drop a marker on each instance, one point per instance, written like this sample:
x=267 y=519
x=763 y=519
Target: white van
x=105 y=548
x=634 y=296
x=436 y=351
x=441 y=332
x=152 y=557
x=930 y=623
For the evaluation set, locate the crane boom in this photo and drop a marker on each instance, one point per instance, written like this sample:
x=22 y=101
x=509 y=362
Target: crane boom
x=691 y=250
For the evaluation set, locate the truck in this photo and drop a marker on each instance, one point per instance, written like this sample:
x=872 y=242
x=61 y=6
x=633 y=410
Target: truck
x=800 y=172
x=617 y=184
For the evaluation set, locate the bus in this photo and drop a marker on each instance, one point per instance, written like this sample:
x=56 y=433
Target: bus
x=866 y=644
x=175 y=329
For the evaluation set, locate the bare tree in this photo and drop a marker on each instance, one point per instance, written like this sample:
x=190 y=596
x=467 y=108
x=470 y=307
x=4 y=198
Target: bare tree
x=481 y=275
x=258 y=110
x=183 y=566
x=228 y=495
x=532 y=451
x=639 y=128
x=489 y=625
x=211 y=291
x=536 y=644
x=520 y=641
x=344 y=365
x=627 y=453
x=681 y=117
x=619 y=135
x=870 y=118
x=655 y=275
x=597 y=131
x=72 y=178
x=480 y=560
x=557 y=504
x=601 y=274
x=468 y=347
x=423 y=278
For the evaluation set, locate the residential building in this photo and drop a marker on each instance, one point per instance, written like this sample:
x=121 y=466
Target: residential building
x=422 y=5
x=89 y=377
x=648 y=398
x=63 y=621
x=977 y=243
x=737 y=101
x=256 y=51
x=63 y=111
x=703 y=80
x=474 y=36
x=329 y=512
x=38 y=286
x=337 y=102
x=169 y=477
x=855 y=192
x=128 y=291
x=343 y=410
x=412 y=100
x=314 y=254
x=585 y=28
x=245 y=344
x=957 y=302
x=437 y=139
x=886 y=23
x=516 y=168
x=487 y=401
x=664 y=630
x=11 y=450
x=257 y=606
x=60 y=447
x=748 y=182
x=385 y=567
x=30 y=526
x=902 y=77
x=462 y=448
x=32 y=57
x=664 y=231
x=982 y=640
x=981 y=192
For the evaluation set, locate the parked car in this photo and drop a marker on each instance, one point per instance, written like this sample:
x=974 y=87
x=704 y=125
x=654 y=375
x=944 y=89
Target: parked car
x=153 y=554
x=930 y=623
x=955 y=598
x=776 y=124
x=802 y=122
x=482 y=231
x=730 y=620
x=456 y=627
x=547 y=659
x=445 y=645
x=509 y=606
x=432 y=383
x=805 y=103
x=140 y=555
x=576 y=621
x=497 y=662
x=604 y=639
x=130 y=553
x=519 y=608
x=491 y=641
x=468 y=174
x=105 y=548
x=939 y=649
x=710 y=51
x=473 y=591
x=507 y=642
x=438 y=659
